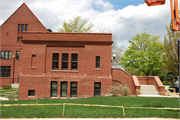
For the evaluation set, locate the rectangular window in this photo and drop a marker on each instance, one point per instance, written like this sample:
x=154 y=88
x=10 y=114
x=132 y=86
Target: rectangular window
x=6 y=54
x=19 y=27
x=17 y=55
x=63 y=89
x=26 y=27
x=22 y=28
x=97 y=61
x=64 y=61
x=5 y=71
x=33 y=60
x=74 y=61
x=74 y=89
x=18 y=39
x=31 y=92
x=54 y=89
x=2 y=55
x=97 y=89
x=55 y=61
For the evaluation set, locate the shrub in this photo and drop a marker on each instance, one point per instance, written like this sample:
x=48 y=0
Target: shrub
x=124 y=90
x=167 y=83
x=121 y=89
x=7 y=87
x=11 y=96
x=114 y=90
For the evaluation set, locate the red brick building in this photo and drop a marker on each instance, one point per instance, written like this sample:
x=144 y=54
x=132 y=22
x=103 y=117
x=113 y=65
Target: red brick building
x=52 y=64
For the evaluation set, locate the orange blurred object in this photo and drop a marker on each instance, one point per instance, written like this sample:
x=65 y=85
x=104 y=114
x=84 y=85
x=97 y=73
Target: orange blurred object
x=154 y=2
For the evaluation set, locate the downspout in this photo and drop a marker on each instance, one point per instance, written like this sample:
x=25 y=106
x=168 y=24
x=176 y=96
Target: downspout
x=13 y=65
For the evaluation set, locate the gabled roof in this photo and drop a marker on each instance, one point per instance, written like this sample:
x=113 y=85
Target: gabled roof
x=23 y=5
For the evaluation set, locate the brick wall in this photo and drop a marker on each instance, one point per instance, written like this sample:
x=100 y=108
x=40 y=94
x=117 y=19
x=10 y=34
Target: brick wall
x=9 y=34
x=123 y=77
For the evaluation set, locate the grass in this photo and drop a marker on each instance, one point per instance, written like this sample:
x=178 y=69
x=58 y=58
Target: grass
x=4 y=92
x=93 y=112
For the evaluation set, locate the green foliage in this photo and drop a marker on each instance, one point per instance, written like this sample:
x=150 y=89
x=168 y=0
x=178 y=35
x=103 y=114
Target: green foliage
x=171 y=76
x=170 y=56
x=7 y=87
x=163 y=74
x=167 y=83
x=143 y=56
x=77 y=24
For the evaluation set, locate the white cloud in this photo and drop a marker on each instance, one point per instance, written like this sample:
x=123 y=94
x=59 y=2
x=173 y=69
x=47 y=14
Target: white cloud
x=126 y=22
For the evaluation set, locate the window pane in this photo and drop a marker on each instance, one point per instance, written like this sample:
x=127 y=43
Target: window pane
x=64 y=57
x=97 y=89
x=55 y=60
x=10 y=54
x=19 y=28
x=6 y=54
x=74 y=89
x=65 y=66
x=22 y=28
x=53 y=89
x=74 y=57
x=2 y=54
x=17 y=55
x=63 y=89
x=74 y=61
x=31 y=92
x=26 y=27
x=97 y=61
x=18 y=39
x=5 y=71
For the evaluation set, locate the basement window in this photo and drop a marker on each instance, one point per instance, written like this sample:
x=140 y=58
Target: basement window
x=31 y=92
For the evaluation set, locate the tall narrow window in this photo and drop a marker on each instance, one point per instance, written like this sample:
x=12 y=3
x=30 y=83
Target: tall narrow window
x=18 y=39
x=74 y=89
x=2 y=55
x=54 y=89
x=26 y=27
x=64 y=61
x=63 y=89
x=19 y=27
x=17 y=55
x=33 y=60
x=74 y=61
x=55 y=61
x=5 y=71
x=22 y=28
x=97 y=61
x=97 y=89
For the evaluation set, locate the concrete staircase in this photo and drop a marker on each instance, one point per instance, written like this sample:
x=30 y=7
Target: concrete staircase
x=15 y=85
x=149 y=90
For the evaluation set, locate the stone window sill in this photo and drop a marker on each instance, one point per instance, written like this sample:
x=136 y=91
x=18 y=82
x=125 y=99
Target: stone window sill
x=33 y=67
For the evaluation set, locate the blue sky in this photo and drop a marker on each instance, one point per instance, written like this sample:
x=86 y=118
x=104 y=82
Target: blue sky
x=120 y=4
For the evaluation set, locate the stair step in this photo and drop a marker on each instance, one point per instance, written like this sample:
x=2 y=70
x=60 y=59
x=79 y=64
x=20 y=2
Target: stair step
x=149 y=89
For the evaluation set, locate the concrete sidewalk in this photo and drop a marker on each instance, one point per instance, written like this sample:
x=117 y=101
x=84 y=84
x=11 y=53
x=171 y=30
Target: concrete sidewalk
x=90 y=119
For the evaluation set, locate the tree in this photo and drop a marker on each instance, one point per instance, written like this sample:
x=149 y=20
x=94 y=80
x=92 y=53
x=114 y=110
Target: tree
x=170 y=56
x=143 y=56
x=117 y=50
x=77 y=24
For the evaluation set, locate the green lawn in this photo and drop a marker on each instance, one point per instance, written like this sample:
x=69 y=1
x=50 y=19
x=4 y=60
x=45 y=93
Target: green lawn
x=93 y=112
x=5 y=92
